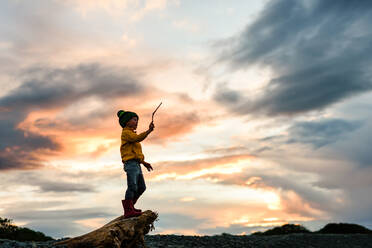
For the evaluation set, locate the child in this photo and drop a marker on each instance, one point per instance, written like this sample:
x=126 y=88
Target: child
x=132 y=157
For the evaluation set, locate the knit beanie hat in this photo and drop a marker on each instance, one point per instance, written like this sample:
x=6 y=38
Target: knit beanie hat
x=125 y=116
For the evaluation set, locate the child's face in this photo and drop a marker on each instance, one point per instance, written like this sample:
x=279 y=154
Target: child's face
x=132 y=123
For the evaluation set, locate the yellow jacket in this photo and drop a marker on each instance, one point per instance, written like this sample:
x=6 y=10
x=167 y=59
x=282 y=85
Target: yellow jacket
x=130 y=145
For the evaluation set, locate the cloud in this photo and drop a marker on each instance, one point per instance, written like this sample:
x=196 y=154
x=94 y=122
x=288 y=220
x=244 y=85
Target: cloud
x=52 y=186
x=10 y=159
x=310 y=200
x=338 y=150
x=305 y=198
x=337 y=181
x=339 y=138
x=171 y=125
x=53 y=87
x=242 y=229
x=20 y=149
x=43 y=89
x=36 y=31
x=354 y=148
x=321 y=132
x=52 y=106
x=243 y=171
x=178 y=222
x=53 y=196
x=196 y=168
x=187 y=26
x=317 y=52
x=149 y=6
x=135 y=9
x=79 y=213
x=227 y=150
x=44 y=220
x=40 y=181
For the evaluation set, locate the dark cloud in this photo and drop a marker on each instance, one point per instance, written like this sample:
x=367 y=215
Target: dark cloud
x=321 y=132
x=58 y=187
x=340 y=138
x=355 y=148
x=11 y=136
x=66 y=183
x=19 y=149
x=317 y=133
x=227 y=150
x=317 y=50
x=73 y=214
x=55 y=87
x=260 y=150
x=18 y=160
x=228 y=96
x=45 y=88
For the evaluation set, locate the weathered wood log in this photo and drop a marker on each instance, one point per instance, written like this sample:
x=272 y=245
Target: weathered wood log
x=117 y=233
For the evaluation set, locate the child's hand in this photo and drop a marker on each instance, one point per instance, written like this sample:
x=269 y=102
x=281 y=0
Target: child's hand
x=151 y=126
x=148 y=166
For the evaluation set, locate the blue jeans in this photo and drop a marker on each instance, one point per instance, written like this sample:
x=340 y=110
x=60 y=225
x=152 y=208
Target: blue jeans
x=135 y=181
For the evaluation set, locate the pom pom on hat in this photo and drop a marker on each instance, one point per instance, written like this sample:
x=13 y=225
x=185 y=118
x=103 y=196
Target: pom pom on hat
x=120 y=113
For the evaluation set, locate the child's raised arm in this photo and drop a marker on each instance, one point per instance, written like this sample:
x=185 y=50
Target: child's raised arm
x=130 y=136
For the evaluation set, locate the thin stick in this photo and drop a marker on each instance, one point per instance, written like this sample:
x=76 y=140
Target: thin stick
x=155 y=111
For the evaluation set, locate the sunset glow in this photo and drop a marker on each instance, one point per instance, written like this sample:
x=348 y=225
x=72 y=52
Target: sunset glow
x=265 y=116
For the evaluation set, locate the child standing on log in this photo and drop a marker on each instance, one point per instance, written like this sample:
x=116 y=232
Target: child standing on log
x=132 y=157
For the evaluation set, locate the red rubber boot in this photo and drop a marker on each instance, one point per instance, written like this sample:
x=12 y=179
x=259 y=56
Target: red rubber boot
x=136 y=209
x=129 y=209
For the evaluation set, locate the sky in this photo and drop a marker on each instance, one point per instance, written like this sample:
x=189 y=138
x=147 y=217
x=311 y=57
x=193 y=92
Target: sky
x=265 y=118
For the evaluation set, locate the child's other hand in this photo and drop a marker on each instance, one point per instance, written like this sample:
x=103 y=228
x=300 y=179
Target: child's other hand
x=148 y=166
x=151 y=126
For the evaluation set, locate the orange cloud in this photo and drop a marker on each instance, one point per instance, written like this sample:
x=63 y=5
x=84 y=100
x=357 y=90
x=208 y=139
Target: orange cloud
x=281 y=195
x=103 y=134
x=197 y=168
x=174 y=125
x=97 y=131
x=84 y=123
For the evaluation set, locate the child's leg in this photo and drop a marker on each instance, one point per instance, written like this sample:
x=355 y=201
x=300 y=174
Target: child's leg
x=131 y=168
x=141 y=186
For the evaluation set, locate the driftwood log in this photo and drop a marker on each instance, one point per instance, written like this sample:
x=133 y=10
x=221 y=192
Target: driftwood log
x=118 y=233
